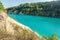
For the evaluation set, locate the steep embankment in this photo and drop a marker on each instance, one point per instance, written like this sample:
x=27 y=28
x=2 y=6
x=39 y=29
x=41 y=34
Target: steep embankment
x=12 y=30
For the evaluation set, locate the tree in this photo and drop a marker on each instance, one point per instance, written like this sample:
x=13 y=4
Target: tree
x=1 y=7
x=53 y=37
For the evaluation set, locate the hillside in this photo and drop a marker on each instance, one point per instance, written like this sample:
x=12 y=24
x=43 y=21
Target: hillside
x=51 y=9
x=12 y=30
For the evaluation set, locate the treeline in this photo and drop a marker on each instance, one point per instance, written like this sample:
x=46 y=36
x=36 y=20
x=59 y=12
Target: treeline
x=1 y=7
x=51 y=9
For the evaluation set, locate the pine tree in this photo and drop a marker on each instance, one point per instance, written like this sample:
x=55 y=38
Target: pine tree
x=53 y=37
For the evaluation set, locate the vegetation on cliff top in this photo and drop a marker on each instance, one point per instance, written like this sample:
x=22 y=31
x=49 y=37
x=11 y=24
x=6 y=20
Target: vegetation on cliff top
x=1 y=7
x=51 y=9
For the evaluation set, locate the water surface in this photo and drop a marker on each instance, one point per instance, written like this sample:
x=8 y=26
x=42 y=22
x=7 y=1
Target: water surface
x=41 y=25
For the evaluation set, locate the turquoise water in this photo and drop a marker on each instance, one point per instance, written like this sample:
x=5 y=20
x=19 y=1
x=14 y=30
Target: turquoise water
x=41 y=25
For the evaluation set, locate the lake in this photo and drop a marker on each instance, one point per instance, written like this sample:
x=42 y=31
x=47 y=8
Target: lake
x=42 y=25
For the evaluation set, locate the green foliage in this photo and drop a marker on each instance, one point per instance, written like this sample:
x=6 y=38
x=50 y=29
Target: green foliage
x=1 y=7
x=40 y=9
x=44 y=38
x=53 y=37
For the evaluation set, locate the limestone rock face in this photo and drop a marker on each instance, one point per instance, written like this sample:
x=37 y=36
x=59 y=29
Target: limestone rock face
x=12 y=30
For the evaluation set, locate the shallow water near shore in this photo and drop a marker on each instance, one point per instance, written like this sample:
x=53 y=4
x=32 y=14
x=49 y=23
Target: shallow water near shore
x=41 y=25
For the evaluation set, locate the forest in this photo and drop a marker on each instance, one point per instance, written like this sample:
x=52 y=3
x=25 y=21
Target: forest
x=50 y=9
